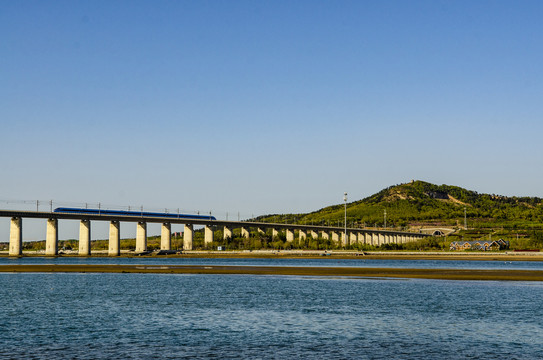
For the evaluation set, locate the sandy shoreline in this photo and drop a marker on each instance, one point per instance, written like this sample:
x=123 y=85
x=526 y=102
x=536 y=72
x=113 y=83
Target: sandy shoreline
x=321 y=254
x=443 y=274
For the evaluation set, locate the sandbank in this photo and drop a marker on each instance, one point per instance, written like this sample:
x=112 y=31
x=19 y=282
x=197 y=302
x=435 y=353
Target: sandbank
x=443 y=274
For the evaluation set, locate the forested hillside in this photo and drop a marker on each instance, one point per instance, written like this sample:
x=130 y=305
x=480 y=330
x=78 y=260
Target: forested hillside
x=419 y=202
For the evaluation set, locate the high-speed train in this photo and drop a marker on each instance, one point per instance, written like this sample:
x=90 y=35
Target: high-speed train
x=132 y=213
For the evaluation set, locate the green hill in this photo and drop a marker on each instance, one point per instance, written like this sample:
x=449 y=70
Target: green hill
x=421 y=203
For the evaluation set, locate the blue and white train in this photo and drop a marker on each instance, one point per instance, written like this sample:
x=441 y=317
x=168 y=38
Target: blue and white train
x=132 y=213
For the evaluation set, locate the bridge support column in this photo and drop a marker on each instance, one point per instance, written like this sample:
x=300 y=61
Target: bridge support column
x=208 y=235
x=51 y=240
x=314 y=234
x=290 y=235
x=261 y=231
x=361 y=238
x=275 y=234
x=114 y=239
x=335 y=236
x=353 y=238
x=166 y=236
x=302 y=235
x=245 y=233
x=141 y=237
x=84 y=238
x=325 y=235
x=380 y=239
x=344 y=239
x=16 y=237
x=227 y=233
x=188 y=234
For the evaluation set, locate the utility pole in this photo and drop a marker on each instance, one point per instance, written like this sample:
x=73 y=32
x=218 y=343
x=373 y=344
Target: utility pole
x=465 y=219
x=345 y=199
x=385 y=215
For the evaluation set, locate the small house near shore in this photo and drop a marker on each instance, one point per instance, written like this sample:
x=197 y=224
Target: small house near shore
x=483 y=245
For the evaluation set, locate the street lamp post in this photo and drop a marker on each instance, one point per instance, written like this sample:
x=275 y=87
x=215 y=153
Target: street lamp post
x=345 y=199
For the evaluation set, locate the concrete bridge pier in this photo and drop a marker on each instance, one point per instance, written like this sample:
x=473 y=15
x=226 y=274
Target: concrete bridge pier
x=16 y=237
x=166 y=236
x=141 y=237
x=114 y=239
x=51 y=239
x=314 y=234
x=325 y=235
x=380 y=239
x=208 y=235
x=361 y=238
x=335 y=236
x=227 y=233
x=261 y=231
x=188 y=234
x=84 y=238
x=353 y=238
x=275 y=234
x=245 y=233
x=302 y=235
x=344 y=239
x=290 y=235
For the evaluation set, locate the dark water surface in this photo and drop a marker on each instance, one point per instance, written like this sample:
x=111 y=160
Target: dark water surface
x=165 y=316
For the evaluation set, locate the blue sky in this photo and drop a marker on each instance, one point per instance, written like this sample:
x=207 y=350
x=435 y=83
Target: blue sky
x=267 y=106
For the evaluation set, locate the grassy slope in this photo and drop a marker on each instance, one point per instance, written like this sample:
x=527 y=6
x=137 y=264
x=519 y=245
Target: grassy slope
x=420 y=203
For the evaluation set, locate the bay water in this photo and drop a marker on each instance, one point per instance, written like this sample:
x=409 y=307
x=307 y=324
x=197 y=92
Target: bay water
x=173 y=316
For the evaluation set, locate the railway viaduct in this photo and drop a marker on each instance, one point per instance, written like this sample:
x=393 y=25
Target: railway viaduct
x=337 y=234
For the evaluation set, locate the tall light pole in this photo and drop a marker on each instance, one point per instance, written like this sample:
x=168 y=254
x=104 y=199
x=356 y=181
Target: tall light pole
x=345 y=199
x=385 y=215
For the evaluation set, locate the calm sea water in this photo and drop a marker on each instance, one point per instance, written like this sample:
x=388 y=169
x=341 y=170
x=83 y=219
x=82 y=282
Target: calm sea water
x=166 y=316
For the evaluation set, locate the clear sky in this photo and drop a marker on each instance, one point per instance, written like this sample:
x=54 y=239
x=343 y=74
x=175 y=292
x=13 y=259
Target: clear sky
x=267 y=106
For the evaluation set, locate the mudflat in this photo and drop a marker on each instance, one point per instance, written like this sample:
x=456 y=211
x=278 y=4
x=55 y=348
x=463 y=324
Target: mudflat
x=443 y=274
